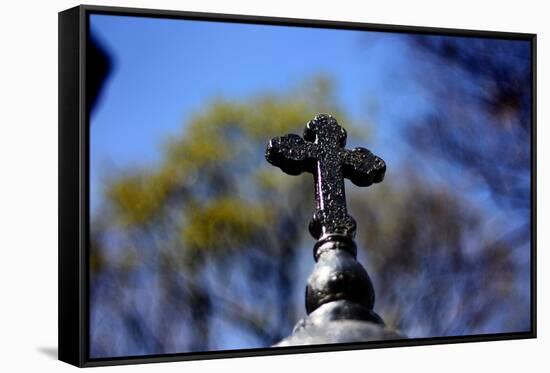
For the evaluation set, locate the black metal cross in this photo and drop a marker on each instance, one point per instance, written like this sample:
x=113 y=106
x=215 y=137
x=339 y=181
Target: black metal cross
x=321 y=152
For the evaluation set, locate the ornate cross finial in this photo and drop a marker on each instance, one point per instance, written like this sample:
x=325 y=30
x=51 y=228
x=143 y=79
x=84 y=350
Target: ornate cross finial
x=321 y=152
x=339 y=288
x=337 y=275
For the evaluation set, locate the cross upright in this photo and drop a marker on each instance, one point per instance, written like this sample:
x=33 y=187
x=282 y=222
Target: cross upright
x=322 y=152
x=339 y=293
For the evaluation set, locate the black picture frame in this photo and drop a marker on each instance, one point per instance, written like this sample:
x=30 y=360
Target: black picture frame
x=74 y=232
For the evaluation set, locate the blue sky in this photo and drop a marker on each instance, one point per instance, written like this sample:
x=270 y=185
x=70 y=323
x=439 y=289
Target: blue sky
x=165 y=70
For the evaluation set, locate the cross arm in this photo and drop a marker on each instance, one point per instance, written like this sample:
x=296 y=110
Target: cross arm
x=290 y=153
x=362 y=167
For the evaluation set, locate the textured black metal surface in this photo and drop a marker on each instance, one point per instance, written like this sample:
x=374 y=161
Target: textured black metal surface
x=340 y=331
x=338 y=276
x=339 y=292
x=321 y=152
x=338 y=310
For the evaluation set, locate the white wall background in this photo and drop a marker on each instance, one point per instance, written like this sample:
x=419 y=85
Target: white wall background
x=28 y=184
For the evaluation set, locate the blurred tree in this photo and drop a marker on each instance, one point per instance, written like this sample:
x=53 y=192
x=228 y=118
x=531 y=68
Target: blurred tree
x=480 y=119
x=209 y=237
x=213 y=227
x=443 y=263
x=437 y=269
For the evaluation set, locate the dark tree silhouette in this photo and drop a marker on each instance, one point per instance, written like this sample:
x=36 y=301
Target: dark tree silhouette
x=210 y=237
x=481 y=113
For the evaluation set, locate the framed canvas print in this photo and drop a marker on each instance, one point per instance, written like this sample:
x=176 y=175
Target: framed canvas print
x=213 y=166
